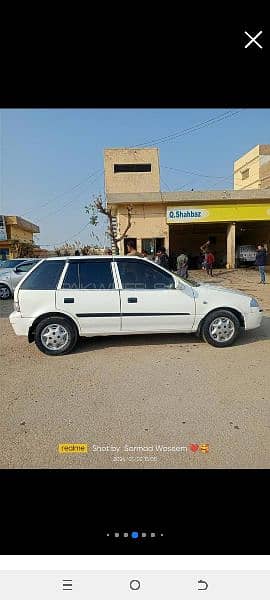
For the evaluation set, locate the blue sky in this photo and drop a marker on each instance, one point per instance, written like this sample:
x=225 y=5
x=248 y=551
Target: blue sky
x=52 y=160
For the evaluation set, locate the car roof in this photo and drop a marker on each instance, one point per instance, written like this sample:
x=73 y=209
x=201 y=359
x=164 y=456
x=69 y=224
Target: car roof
x=98 y=257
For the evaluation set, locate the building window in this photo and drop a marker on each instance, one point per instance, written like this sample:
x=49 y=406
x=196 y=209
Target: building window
x=152 y=245
x=133 y=168
x=245 y=174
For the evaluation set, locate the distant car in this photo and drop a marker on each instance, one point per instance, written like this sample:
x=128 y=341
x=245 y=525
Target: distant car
x=246 y=255
x=11 y=264
x=10 y=277
x=64 y=298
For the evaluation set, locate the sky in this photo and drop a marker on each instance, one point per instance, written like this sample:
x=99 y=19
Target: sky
x=52 y=159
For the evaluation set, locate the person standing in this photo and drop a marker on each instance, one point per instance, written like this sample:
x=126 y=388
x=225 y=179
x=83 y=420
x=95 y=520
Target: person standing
x=205 y=249
x=210 y=259
x=182 y=265
x=261 y=262
x=131 y=250
x=145 y=254
x=162 y=258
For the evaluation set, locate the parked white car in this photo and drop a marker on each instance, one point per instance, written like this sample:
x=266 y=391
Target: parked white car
x=10 y=277
x=61 y=299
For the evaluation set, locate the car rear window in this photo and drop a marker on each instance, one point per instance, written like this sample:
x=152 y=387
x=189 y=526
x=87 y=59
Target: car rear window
x=45 y=276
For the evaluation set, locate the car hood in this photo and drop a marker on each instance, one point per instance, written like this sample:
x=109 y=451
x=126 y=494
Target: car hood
x=217 y=288
x=5 y=272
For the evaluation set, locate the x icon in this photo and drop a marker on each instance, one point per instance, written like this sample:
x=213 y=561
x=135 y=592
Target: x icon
x=253 y=39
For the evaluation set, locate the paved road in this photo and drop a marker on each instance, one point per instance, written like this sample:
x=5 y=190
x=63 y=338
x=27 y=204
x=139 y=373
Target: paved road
x=148 y=391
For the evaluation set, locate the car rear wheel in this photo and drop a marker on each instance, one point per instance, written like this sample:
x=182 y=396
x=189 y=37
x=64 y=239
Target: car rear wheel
x=5 y=292
x=55 y=336
x=220 y=328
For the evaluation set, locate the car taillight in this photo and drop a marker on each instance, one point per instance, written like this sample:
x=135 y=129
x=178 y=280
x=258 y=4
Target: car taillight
x=16 y=305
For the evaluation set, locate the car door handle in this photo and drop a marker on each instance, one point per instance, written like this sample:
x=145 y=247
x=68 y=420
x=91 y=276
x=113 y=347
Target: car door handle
x=68 y=300
x=132 y=300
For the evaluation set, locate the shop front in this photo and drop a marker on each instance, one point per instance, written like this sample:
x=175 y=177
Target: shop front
x=228 y=226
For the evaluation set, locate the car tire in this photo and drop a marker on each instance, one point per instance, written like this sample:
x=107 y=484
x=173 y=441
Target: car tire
x=220 y=328
x=55 y=336
x=5 y=292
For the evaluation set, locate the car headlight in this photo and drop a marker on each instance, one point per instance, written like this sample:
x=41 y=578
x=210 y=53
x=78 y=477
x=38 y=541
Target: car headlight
x=254 y=303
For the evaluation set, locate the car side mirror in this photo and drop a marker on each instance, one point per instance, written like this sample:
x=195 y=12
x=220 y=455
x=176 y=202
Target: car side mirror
x=179 y=285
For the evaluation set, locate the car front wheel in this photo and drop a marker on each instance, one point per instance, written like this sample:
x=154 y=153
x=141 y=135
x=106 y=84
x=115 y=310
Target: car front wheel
x=220 y=328
x=55 y=336
x=5 y=292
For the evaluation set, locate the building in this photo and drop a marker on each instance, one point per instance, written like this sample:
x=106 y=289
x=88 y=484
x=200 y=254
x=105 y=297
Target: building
x=15 y=229
x=185 y=220
x=252 y=171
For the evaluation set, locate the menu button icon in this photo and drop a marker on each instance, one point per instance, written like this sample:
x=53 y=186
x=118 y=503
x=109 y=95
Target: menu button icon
x=66 y=585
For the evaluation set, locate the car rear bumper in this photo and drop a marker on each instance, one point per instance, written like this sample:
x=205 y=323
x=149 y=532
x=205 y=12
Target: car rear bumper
x=21 y=325
x=253 y=319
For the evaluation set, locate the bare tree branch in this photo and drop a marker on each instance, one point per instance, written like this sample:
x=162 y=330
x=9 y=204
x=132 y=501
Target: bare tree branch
x=129 y=213
x=97 y=207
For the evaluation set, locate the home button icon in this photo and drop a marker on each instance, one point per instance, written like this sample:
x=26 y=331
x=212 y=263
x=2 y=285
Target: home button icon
x=134 y=584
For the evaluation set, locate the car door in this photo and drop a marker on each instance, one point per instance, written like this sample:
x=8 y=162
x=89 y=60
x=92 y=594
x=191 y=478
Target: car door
x=149 y=299
x=88 y=293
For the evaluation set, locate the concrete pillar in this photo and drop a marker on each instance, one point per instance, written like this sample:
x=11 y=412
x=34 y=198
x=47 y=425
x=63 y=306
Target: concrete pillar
x=121 y=247
x=139 y=245
x=230 y=246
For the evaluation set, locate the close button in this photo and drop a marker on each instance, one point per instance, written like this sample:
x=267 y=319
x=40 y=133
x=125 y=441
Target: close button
x=253 y=40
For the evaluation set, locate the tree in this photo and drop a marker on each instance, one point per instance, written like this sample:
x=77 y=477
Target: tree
x=97 y=207
x=70 y=249
x=22 y=249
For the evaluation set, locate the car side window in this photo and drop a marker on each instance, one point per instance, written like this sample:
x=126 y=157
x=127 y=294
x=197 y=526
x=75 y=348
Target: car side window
x=71 y=279
x=25 y=268
x=142 y=275
x=89 y=275
x=45 y=276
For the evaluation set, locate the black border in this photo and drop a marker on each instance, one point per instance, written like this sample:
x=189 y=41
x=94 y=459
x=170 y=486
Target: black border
x=69 y=511
x=169 y=58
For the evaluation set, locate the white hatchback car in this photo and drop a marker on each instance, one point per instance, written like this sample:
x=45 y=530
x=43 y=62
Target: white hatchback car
x=61 y=299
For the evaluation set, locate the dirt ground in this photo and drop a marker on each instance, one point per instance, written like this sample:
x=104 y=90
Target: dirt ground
x=167 y=395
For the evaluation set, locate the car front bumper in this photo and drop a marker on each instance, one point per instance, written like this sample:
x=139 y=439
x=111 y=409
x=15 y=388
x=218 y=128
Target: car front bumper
x=21 y=325
x=253 y=318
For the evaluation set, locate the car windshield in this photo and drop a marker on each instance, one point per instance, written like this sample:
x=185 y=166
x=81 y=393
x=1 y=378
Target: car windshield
x=189 y=281
x=10 y=264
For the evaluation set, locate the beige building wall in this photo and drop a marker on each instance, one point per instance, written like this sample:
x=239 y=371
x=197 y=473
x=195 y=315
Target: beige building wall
x=252 y=170
x=148 y=221
x=265 y=170
x=17 y=233
x=129 y=182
